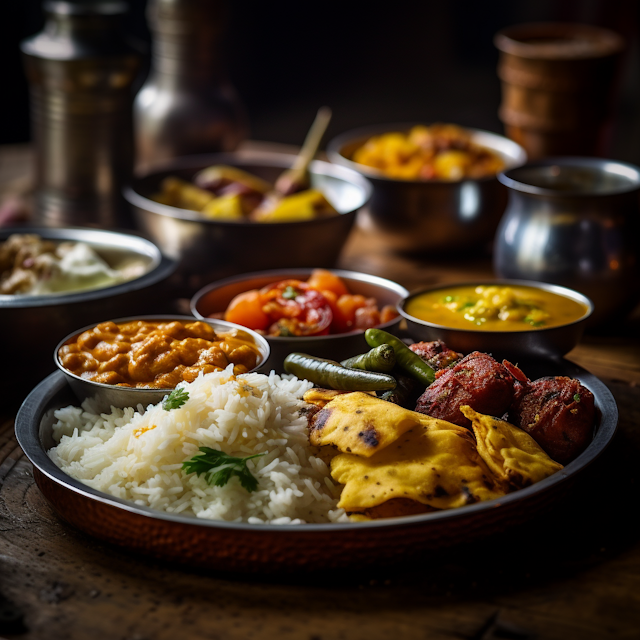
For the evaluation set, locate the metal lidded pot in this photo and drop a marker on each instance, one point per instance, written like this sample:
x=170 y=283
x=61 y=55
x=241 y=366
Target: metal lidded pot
x=81 y=69
x=574 y=222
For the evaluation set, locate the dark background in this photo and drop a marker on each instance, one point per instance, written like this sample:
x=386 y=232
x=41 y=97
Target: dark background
x=371 y=62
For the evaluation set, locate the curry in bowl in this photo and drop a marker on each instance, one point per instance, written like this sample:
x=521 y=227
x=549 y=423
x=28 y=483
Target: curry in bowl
x=495 y=308
x=443 y=152
x=156 y=354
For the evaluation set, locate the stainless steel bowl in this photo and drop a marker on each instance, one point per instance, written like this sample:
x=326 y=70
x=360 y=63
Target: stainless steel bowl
x=31 y=326
x=210 y=249
x=552 y=342
x=434 y=216
x=574 y=222
x=215 y=298
x=104 y=396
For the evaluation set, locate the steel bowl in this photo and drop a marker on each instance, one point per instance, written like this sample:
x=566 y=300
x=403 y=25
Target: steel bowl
x=574 y=222
x=31 y=326
x=430 y=215
x=215 y=298
x=553 y=342
x=210 y=249
x=104 y=396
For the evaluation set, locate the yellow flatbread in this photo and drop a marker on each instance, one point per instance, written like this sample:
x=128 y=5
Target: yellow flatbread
x=361 y=424
x=435 y=464
x=511 y=453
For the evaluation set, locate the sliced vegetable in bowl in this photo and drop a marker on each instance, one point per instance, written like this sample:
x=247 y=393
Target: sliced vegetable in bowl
x=279 y=303
x=320 y=306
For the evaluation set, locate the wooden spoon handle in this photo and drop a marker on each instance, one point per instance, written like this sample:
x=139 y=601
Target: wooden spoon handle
x=296 y=175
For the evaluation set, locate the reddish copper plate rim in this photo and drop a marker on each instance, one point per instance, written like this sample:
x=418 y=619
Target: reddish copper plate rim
x=31 y=413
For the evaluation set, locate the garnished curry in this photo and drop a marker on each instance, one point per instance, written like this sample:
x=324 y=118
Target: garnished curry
x=495 y=308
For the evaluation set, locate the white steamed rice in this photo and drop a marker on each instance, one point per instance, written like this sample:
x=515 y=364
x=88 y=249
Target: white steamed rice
x=138 y=455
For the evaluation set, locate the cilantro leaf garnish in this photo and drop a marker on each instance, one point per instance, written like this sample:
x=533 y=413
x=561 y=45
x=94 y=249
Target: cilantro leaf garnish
x=576 y=397
x=219 y=467
x=175 y=399
x=290 y=293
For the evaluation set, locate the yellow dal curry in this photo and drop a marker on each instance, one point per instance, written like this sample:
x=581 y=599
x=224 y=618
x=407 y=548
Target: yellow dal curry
x=495 y=308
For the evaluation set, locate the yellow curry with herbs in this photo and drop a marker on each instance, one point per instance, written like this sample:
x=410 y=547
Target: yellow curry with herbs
x=495 y=308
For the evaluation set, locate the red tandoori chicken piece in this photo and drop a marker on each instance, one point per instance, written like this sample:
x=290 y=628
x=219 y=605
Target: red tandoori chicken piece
x=558 y=413
x=477 y=380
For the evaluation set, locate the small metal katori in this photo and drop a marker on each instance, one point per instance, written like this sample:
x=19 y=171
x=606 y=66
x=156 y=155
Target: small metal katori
x=550 y=342
x=104 y=396
x=252 y=548
x=215 y=298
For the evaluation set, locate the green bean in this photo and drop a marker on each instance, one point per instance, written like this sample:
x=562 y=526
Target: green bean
x=411 y=362
x=382 y=359
x=332 y=375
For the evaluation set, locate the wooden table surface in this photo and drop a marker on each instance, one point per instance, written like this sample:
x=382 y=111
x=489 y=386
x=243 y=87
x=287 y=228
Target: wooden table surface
x=574 y=572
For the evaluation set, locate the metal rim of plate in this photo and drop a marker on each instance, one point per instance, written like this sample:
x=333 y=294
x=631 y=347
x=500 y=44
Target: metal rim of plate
x=43 y=397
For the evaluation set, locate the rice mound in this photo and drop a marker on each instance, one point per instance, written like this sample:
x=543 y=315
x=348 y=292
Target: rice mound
x=137 y=455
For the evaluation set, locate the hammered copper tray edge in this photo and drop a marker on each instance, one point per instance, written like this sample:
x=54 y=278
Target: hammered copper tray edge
x=228 y=546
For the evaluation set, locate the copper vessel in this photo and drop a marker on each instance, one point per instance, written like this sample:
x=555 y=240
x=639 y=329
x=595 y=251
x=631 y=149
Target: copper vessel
x=558 y=86
x=268 y=549
x=81 y=69
x=186 y=106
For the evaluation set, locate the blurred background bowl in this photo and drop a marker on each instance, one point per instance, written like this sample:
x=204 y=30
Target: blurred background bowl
x=215 y=298
x=552 y=342
x=31 y=326
x=104 y=396
x=210 y=249
x=430 y=215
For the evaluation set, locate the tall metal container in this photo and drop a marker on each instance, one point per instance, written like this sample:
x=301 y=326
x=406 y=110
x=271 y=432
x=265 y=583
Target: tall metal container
x=186 y=106
x=81 y=70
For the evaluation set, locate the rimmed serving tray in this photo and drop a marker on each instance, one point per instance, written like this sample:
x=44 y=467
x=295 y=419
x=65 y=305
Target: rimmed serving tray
x=231 y=546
